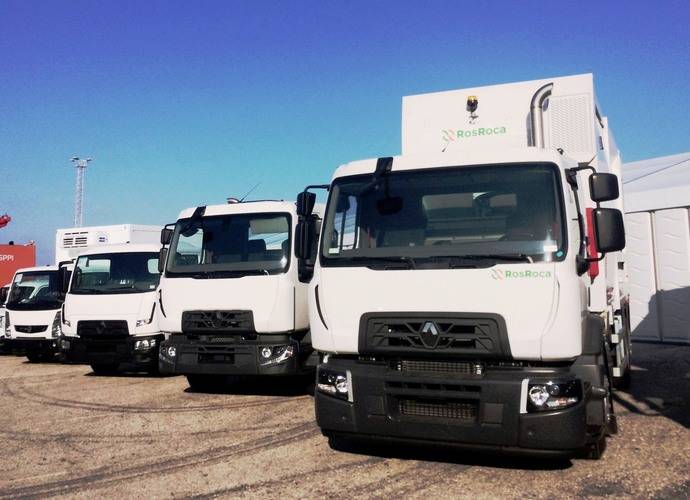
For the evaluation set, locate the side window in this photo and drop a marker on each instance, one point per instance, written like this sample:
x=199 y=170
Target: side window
x=189 y=248
x=344 y=225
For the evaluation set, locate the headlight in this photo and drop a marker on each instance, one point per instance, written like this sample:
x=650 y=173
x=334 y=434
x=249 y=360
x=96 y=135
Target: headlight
x=553 y=395
x=272 y=355
x=334 y=383
x=144 y=345
x=56 y=331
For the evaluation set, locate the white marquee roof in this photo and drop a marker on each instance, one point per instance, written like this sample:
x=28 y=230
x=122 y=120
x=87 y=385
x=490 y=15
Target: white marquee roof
x=657 y=183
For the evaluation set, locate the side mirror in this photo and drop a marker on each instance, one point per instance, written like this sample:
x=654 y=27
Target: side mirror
x=609 y=230
x=64 y=276
x=3 y=295
x=166 y=236
x=162 y=257
x=603 y=187
x=305 y=203
x=303 y=239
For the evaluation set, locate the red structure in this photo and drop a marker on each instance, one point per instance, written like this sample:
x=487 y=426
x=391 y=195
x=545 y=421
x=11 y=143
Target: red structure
x=4 y=220
x=13 y=257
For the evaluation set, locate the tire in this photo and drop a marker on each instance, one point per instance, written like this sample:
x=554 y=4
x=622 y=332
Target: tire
x=105 y=369
x=34 y=357
x=623 y=383
x=596 y=450
x=204 y=383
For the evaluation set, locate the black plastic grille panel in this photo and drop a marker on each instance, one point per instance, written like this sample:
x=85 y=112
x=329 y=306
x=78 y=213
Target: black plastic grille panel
x=30 y=328
x=102 y=329
x=438 y=367
x=476 y=335
x=217 y=321
x=456 y=410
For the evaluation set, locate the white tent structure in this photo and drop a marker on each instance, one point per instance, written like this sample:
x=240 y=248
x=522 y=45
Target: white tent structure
x=657 y=223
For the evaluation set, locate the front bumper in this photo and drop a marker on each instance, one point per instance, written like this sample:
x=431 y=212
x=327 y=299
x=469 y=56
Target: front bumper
x=475 y=411
x=110 y=350
x=30 y=344
x=232 y=355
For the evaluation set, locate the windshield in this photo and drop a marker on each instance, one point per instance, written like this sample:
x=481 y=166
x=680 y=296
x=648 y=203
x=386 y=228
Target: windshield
x=230 y=246
x=35 y=291
x=492 y=213
x=116 y=273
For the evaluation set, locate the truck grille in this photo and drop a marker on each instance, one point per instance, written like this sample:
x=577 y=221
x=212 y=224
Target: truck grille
x=439 y=367
x=103 y=329
x=217 y=321
x=476 y=335
x=457 y=410
x=30 y=328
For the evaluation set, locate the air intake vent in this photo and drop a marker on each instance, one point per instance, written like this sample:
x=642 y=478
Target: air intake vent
x=570 y=122
x=31 y=328
x=456 y=410
x=439 y=367
x=73 y=240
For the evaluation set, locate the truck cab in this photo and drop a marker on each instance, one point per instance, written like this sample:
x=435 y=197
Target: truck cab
x=471 y=291
x=230 y=296
x=108 y=318
x=32 y=311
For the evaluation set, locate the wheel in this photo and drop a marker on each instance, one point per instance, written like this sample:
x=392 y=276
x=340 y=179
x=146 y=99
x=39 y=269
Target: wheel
x=623 y=383
x=105 y=369
x=204 y=383
x=596 y=450
x=34 y=357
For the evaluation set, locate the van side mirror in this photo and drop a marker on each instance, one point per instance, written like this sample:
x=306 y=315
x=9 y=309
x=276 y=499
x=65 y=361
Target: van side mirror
x=166 y=236
x=609 y=230
x=162 y=257
x=3 y=295
x=305 y=203
x=603 y=187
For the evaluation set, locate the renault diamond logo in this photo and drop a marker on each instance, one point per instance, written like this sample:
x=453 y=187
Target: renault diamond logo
x=429 y=334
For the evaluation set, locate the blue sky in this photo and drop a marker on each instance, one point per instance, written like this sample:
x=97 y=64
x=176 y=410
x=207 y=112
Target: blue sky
x=186 y=103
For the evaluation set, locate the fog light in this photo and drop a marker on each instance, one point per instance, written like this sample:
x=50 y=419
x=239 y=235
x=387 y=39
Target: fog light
x=266 y=352
x=64 y=345
x=172 y=351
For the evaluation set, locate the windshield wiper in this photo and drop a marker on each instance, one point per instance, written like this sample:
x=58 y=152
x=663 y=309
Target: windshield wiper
x=393 y=259
x=87 y=290
x=459 y=260
x=229 y=274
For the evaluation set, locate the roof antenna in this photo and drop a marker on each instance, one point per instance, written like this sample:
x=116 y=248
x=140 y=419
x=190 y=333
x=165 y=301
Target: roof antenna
x=249 y=192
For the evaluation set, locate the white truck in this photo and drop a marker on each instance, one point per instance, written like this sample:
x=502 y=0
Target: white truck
x=471 y=291
x=108 y=317
x=32 y=317
x=32 y=311
x=230 y=295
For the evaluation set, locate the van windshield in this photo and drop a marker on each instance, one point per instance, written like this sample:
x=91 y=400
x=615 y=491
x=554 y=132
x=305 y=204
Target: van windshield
x=234 y=245
x=35 y=291
x=447 y=215
x=111 y=273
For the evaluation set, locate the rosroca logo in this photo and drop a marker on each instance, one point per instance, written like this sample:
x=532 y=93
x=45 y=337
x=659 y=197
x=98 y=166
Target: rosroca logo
x=501 y=275
x=6 y=258
x=450 y=135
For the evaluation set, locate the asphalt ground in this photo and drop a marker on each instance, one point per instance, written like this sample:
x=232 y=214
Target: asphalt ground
x=67 y=432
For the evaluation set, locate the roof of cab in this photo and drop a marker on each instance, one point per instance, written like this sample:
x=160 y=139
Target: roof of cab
x=245 y=207
x=453 y=159
x=122 y=248
x=36 y=268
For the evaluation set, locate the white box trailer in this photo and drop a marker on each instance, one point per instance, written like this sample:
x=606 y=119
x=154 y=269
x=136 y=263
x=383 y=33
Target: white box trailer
x=69 y=242
x=472 y=291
